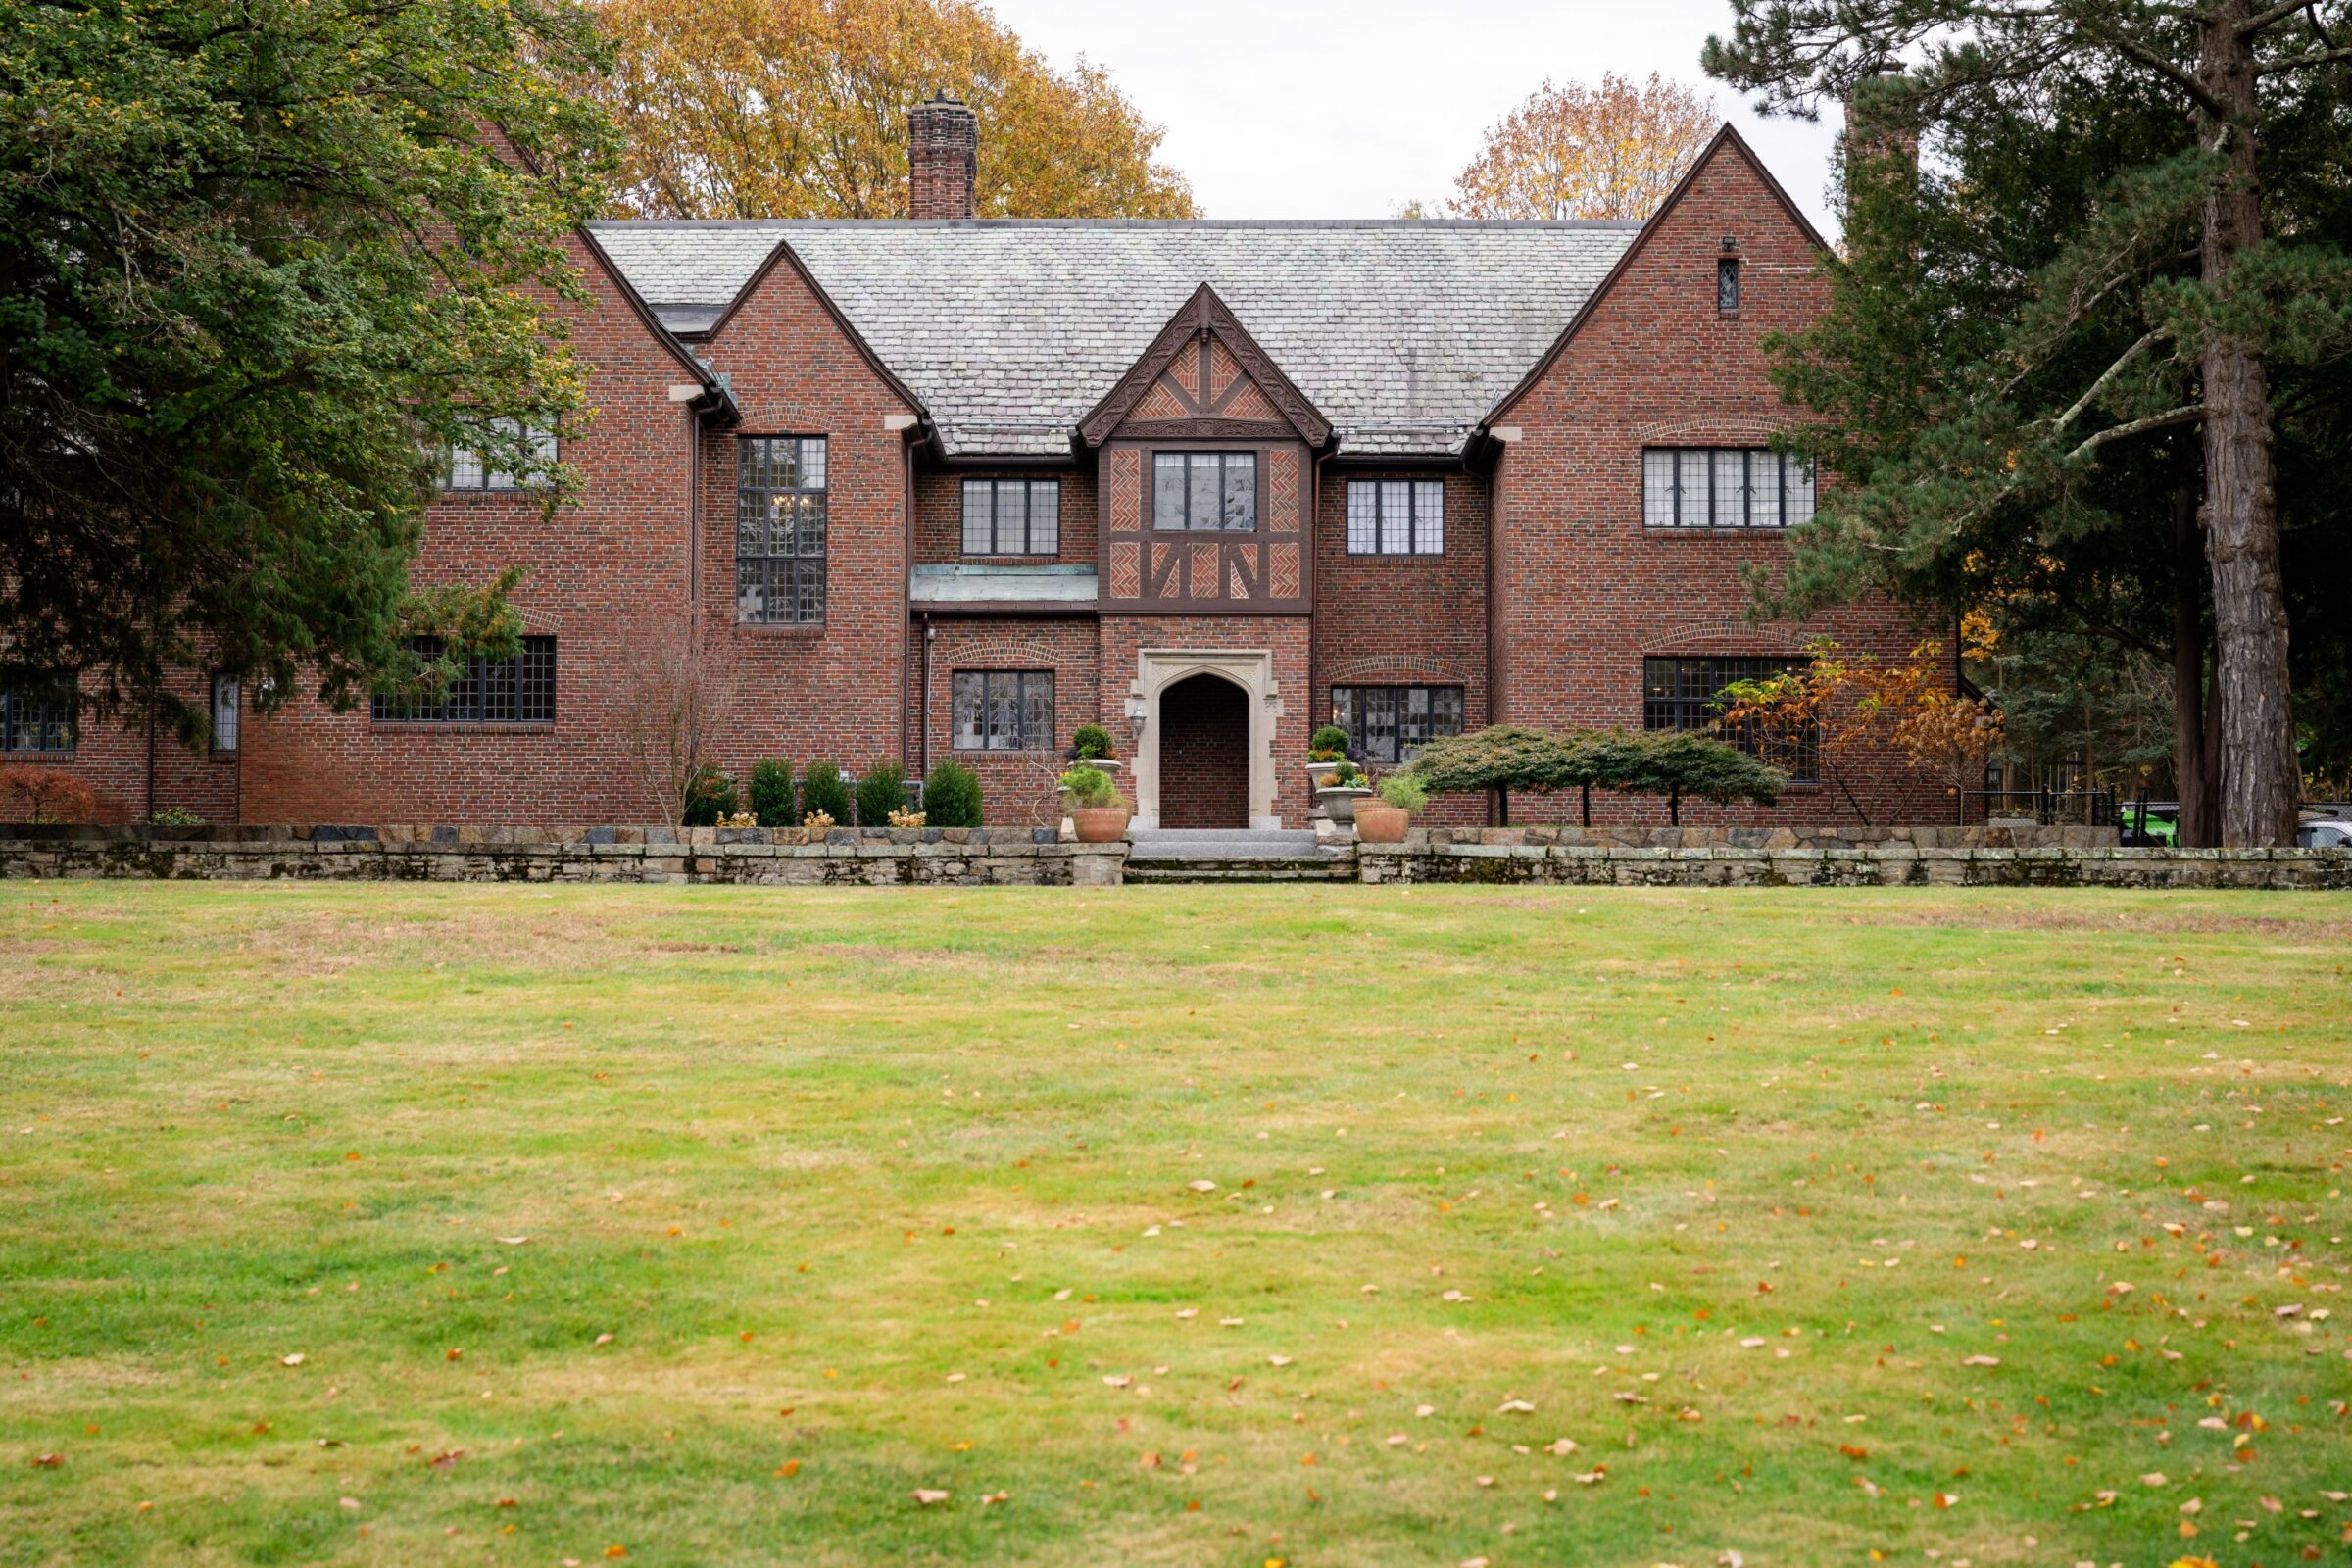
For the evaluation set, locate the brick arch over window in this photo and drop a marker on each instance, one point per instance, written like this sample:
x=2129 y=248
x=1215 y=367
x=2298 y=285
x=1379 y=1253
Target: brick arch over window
x=1395 y=669
x=995 y=650
x=1717 y=431
x=1777 y=638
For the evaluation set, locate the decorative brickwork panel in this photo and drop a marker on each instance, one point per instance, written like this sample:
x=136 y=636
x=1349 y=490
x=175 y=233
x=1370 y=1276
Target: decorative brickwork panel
x=1222 y=373
x=1126 y=570
x=1282 y=491
x=1284 y=567
x=1203 y=584
x=1126 y=490
x=1237 y=575
x=1163 y=570
x=1249 y=402
x=1162 y=402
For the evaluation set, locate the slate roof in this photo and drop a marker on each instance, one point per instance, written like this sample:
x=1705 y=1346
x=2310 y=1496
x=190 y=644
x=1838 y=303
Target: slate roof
x=1404 y=334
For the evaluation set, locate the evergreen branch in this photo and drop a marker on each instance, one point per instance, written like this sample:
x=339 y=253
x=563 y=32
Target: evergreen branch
x=2107 y=375
x=2186 y=413
x=2318 y=57
x=2278 y=12
x=2181 y=76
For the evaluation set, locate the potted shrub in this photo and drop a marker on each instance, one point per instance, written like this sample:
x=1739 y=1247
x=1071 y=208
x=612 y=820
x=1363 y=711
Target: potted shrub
x=1092 y=743
x=1337 y=787
x=1384 y=821
x=1326 y=749
x=1097 y=811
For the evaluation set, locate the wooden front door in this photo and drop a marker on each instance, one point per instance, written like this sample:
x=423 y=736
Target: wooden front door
x=1204 y=754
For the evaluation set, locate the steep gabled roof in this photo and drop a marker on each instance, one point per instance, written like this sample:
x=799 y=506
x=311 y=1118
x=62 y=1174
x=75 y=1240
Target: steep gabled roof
x=1203 y=316
x=1401 y=333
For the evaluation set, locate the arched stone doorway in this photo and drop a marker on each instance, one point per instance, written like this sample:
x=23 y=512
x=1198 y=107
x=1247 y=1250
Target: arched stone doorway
x=1204 y=754
x=1250 y=671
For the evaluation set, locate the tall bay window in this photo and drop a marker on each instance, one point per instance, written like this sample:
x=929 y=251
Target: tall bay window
x=780 y=530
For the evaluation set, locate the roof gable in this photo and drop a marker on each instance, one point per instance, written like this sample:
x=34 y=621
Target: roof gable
x=1725 y=140
x=783 y=256
x=1206 y=374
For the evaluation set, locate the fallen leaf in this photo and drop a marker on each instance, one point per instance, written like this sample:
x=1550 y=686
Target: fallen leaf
x=927 y=1495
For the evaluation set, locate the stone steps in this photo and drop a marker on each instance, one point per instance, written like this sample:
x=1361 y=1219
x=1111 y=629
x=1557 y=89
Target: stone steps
x=1242 y=868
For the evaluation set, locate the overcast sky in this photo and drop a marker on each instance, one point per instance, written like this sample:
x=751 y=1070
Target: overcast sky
x=1321 y=109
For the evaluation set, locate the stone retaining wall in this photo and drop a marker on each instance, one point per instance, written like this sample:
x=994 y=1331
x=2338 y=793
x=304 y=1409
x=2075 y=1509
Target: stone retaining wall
x=874 y=857
x=1833 y=835
x=1022 y=857
x=1422 y=858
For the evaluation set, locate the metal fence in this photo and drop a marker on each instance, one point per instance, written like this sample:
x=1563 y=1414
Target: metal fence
x=2048 y=807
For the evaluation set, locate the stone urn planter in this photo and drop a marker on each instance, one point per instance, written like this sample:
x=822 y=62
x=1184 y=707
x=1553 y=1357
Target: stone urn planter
x=1339 y=802
x=1378 y=822
x=1100 y=825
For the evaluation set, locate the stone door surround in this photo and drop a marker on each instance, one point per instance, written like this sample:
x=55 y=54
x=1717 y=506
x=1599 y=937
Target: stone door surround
x=1250 y=669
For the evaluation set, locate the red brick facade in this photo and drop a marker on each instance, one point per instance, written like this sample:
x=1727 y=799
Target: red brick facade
x=1548 y=594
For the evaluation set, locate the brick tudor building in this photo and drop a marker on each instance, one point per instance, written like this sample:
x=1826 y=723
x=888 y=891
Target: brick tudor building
x=943 y=487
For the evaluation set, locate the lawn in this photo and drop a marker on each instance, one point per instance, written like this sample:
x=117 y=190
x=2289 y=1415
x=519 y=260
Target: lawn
x=401 y=1225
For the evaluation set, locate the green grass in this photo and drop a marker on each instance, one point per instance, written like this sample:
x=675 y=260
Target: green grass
x=878 y=1191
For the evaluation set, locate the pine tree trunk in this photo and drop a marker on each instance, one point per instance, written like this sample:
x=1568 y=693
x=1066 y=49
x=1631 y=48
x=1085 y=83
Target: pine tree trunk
x=2192 y=763
x=2261 y=782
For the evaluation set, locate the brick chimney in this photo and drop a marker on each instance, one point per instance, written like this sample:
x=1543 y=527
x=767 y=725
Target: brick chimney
x=943 y=156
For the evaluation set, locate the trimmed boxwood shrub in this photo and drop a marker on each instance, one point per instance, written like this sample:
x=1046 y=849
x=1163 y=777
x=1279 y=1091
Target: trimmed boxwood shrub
x=769 y=794
x=951 y=796
x=881 y=790
x=822 y=790
x=1091 y=741
x=709 y=795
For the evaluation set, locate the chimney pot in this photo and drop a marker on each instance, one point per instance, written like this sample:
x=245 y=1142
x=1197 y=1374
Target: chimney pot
x=943 y=159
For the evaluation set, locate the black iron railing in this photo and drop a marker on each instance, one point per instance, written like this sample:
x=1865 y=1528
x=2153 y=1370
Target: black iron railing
x=2049 y=808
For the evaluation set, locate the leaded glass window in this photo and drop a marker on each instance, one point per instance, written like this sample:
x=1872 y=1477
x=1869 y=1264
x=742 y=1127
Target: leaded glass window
x=1012 y=516
x=780 y=530
x=1003 y=710
x=1205 y=490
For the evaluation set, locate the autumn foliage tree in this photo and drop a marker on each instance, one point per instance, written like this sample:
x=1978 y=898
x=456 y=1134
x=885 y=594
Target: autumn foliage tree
x=1612 y=151
x=798 y=108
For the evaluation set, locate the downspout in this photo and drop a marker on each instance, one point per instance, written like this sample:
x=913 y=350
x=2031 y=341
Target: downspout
x=151 y=765
x=923 y=708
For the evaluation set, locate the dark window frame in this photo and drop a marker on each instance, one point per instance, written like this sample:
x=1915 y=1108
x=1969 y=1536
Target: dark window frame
x=1672 y=700
x=1029 y=489
x=789 y=583
x=1727 y=285
x=1793 y=480
x=518 y=692
x=456 y=480
x=49 y=713
x=1225 y=457
x=1023 y=684
x=1424 y=536
x=1353 y=714
x=236 y=705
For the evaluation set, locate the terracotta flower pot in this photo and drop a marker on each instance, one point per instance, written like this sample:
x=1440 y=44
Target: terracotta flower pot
x=1100 y=825
x=1377 y=822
